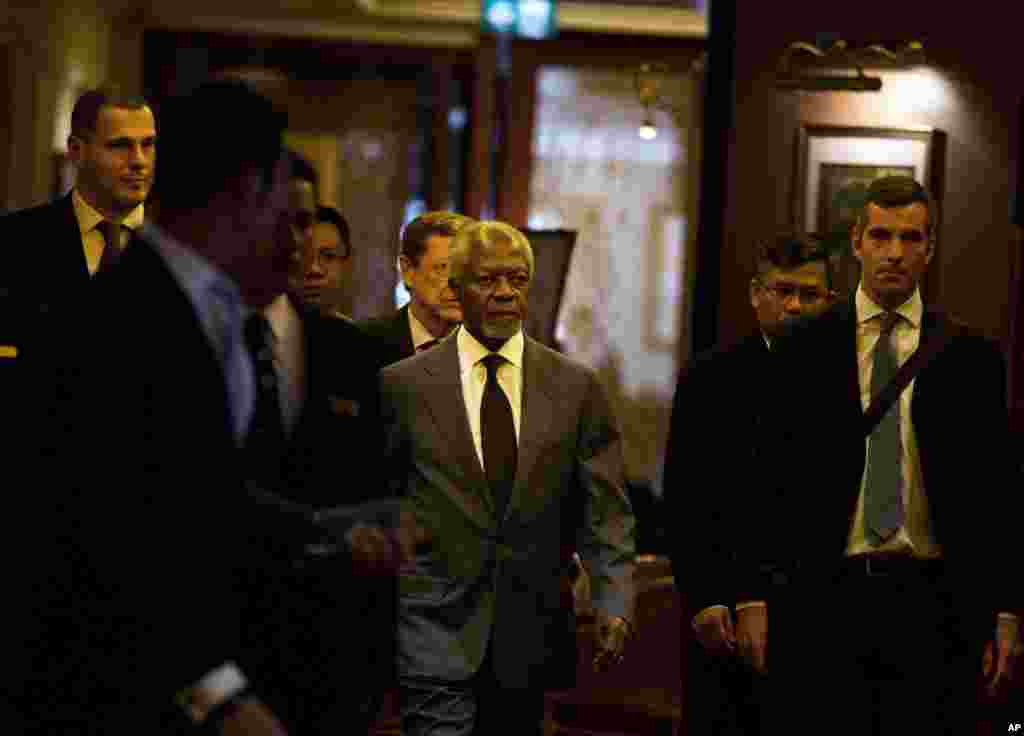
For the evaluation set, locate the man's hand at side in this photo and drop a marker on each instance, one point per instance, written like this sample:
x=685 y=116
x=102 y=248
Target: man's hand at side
x=380 y=551
x=611 y=635
x=713 y=628
x=251 y=718
x=752 y=636
x=1000 y=658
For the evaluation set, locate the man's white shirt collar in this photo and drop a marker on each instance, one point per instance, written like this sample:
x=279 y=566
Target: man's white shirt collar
x=284 y=321
x=88 y=218
x=472 y=352
x=420 y=334
x=911 y=310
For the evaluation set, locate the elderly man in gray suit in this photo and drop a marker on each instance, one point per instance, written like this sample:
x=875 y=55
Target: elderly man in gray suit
x=508 y=454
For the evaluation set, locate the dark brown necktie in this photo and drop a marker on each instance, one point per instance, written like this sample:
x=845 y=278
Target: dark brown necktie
x=111 y=232
x=498 y=436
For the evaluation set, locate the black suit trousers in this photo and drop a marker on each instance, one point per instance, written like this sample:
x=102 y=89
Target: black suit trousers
x=870 y=656
x=723 y=695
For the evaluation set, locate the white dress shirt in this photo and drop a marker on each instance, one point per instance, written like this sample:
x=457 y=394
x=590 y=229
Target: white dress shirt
x=92 y=239
x=289 y=349
x=474 y=377
x=915 y=536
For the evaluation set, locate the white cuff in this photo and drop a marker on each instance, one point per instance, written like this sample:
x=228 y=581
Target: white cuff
x=223 y=682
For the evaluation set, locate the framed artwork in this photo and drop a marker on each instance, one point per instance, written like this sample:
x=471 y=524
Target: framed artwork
x=843 y=189
x=552 y=251
x=835 y=165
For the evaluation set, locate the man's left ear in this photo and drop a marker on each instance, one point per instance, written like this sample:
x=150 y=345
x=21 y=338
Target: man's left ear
x=74 y=148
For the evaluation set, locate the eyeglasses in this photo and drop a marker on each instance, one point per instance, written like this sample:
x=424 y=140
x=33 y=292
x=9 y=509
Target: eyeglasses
x=327 y=257
x=808 y=295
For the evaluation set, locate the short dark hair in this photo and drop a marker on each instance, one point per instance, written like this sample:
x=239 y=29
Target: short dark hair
x=331 y=216
x=203 y=148
x=896 y=191
x=788 y=251
x=427 y=225
x=301 y=169
x=86 y=112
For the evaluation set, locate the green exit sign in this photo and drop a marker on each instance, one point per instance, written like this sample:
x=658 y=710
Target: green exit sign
x=526 y=18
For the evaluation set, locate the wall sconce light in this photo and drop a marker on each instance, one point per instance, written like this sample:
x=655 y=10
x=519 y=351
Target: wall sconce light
x=647 y=81
x=796 y=69
x=647 y=131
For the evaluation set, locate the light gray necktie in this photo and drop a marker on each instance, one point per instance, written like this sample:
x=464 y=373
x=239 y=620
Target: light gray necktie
x=883 y=489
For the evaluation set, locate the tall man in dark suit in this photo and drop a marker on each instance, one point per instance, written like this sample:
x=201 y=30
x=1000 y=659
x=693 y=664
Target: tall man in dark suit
x=433 y=309
x=50 y=251
x=113 y=147
x=49 y=254
x=180 y=438
x=505 y=449
x=899 y=544
x=331 y=637
x=727 y=409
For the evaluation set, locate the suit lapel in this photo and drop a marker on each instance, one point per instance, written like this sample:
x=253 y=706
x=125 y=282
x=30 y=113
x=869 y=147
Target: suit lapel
x=447 y=405
x=537 y=416
x=847 y=352
x=313 y=402
x=66 y=230
x=933 y=322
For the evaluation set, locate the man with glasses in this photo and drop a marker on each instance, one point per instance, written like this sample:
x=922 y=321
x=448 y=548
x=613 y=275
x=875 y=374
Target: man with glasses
x=724 y=418
x=327 y=264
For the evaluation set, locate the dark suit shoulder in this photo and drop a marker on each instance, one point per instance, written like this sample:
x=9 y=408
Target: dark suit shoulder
x=38 y=222
x=341 y=328
x=383 y=326
x=392 y=335
x=559 y=360
x=45 y=210
x=413 y=363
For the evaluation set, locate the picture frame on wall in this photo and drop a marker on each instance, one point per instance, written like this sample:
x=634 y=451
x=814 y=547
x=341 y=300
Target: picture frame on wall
x=835 y=165
x=552 y=252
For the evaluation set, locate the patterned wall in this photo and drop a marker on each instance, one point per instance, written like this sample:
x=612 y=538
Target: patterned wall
x=626 y=197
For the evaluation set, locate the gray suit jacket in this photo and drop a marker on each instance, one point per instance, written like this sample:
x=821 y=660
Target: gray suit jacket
x=498 y=580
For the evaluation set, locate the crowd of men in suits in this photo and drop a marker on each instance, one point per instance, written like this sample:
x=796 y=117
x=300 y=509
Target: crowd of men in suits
x=848 y=556
x=238 y=511
x=230 y=518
